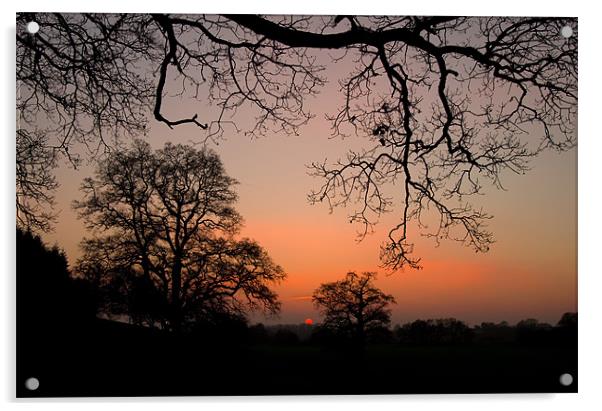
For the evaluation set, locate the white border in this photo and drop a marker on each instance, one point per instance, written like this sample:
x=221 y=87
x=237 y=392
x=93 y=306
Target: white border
x=590 y=228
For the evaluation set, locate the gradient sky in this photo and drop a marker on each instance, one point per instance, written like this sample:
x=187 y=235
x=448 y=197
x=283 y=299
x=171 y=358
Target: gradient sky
x=530 y=272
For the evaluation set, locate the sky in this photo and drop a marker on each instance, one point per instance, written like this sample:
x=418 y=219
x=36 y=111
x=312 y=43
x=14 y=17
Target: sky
x=530 y=271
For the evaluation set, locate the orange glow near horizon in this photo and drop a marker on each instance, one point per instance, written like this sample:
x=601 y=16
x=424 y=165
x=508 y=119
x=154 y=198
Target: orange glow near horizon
x=530 y=272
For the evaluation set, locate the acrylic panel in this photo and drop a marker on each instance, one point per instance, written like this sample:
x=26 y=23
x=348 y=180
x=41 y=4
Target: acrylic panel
x=274 y=205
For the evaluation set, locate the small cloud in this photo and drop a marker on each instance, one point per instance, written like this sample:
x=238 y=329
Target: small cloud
x=301 y=298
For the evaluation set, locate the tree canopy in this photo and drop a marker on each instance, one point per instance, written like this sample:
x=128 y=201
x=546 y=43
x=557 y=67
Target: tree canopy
x=166 y=250
x=354 y=306
x=445 y=104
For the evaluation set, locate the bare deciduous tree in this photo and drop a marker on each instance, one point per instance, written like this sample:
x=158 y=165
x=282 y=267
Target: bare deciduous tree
x=35 y=181
x=354 y=306
x=446 y=104
x=168 y=251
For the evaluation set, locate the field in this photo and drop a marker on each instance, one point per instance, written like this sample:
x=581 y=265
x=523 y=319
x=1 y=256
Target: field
x=119 y=360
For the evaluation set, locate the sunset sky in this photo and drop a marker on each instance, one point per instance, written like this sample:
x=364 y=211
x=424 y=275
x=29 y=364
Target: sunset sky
x=530 y=272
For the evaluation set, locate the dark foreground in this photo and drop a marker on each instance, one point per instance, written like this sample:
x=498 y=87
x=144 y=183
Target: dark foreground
x=104 y=358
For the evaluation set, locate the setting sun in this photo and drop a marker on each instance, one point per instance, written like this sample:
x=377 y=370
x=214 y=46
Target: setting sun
x=193 y=189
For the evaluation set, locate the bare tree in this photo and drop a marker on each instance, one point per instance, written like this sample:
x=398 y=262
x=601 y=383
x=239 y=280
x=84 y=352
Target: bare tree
x=354 y=306
x=446 y=103
x=35 y=182
x=168 y=248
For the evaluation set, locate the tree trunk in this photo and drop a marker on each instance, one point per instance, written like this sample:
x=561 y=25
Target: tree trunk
x=176 y=286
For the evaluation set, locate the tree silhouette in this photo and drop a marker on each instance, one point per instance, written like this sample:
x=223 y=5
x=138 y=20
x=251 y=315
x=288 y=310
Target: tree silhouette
x=166 y=253
x=446 y=104
x=35 y=181
x=568 y=320
x=436 y=331
x=353 y=306
x=48 y=298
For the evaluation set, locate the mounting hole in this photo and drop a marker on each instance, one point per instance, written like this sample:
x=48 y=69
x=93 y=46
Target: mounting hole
x=566 y=32
x=33 y=27
x=566 y=379
x=32 y=384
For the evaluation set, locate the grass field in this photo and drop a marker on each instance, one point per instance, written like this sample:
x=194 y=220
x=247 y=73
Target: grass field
x=108 y=359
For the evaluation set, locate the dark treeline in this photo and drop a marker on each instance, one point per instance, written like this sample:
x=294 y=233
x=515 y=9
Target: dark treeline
x=64 y=343
x=160 y=299
x=49 y=294
x=432 y=332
